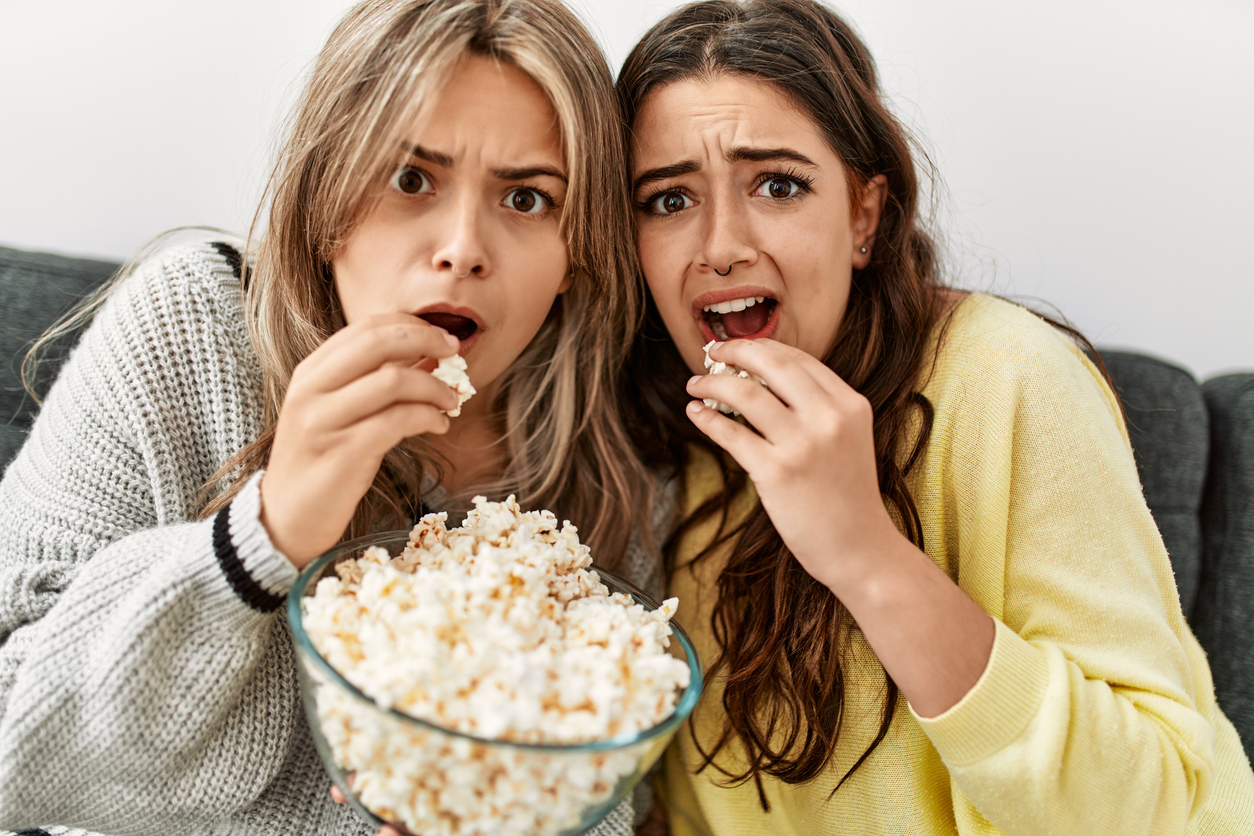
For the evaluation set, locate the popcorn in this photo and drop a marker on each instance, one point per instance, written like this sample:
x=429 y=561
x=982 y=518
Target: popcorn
x=715 y=367
x=498 y=629
x=452 y=371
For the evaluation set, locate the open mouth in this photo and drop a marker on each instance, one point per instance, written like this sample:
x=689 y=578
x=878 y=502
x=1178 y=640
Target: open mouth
x=744 y=318
x=462 y=327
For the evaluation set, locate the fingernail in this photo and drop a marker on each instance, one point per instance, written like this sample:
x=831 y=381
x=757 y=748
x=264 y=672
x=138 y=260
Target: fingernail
x=695 y=407
x=692 y=380
x=451 y=340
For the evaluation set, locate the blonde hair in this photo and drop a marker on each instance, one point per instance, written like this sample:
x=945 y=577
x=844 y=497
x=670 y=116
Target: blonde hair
x=566 y=447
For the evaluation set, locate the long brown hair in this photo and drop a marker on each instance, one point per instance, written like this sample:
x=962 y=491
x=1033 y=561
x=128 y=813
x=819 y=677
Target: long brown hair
x=780 y=632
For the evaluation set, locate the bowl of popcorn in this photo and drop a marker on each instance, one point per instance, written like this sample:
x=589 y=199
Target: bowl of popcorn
x=484 y=679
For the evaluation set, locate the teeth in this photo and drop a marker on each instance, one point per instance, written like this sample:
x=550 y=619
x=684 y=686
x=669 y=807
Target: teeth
x=733 y=305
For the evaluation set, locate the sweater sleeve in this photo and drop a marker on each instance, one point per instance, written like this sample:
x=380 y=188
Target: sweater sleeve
x=1086 y=719
x=146 y=683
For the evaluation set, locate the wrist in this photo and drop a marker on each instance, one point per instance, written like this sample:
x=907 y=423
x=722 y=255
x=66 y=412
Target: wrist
x=275 y=522
x=864 y=568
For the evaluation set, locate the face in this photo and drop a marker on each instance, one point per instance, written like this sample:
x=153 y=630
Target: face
x=745 y=223
x=465 y=233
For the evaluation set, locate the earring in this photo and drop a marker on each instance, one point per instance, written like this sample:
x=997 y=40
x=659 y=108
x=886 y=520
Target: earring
x=862 y=250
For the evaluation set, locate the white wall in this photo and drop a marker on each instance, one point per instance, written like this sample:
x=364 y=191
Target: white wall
x=1096 y=153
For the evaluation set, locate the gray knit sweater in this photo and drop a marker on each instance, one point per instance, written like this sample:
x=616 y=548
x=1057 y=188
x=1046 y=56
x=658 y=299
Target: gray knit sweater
x=147 y=676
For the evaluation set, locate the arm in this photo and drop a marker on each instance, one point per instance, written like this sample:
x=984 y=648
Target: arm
x=138 y=683
x=1081 y=717
x=1090 y=701
x=813 y=467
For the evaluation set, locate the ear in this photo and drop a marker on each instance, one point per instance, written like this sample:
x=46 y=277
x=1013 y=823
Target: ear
x=869 y=210
x=566 y=283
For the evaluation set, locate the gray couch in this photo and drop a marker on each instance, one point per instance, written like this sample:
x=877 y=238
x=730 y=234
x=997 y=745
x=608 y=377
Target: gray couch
x=1194 y=447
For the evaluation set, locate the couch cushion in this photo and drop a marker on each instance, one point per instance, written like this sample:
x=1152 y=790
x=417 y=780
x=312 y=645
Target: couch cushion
x=1167 y=423
x=35 y=289
x=1225 y=603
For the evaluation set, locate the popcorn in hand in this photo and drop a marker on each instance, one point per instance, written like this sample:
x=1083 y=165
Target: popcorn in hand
x=715 y=367
x=452 y=372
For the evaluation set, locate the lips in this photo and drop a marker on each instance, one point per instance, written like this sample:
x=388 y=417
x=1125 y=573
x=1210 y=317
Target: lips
x=743 y=313
x=460 y=324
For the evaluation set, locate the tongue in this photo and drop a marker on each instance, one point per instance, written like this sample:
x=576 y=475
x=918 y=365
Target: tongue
x=459 y=326
x=749 y=321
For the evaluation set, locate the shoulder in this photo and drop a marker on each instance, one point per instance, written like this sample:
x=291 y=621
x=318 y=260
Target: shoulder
x=172 y=331
x=992 y=354
x=180 y=304
x=178 y=280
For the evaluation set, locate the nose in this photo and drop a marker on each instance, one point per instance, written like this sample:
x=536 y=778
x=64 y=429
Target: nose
x=461 y=248
x=728 y=238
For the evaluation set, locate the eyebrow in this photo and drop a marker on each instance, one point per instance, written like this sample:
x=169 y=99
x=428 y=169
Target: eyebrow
x=520 y=173
x=735 y=155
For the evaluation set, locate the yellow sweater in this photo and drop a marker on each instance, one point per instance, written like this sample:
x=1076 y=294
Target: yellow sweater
x=1096 y=713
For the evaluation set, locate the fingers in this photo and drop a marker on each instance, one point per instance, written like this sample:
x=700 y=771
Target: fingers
x=807 y=408
x=390 y=426
x=760 y=406
x=364 y=346
x=792 y=374
x=387 y=830
x=380 y=389
x=744 y=445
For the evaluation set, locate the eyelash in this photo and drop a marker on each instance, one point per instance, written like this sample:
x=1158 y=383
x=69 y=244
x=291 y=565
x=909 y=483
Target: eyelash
x=805 y=185
x=545 y=196
x=647 y=202
x=548 y=199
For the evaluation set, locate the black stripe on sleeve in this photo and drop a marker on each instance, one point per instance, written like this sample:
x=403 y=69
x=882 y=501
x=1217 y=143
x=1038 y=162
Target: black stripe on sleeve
x=245 y=587
x=233 y=259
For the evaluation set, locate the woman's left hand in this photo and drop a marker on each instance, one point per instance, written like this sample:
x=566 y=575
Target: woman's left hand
x=387 y=830
x=812 y=459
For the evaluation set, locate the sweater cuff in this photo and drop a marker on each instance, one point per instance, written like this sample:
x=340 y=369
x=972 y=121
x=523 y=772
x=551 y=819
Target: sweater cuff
x=258 y=573
x=997 y=709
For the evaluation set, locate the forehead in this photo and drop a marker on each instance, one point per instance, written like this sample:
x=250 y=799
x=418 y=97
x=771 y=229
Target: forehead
x=490 y=109
x=695 y=118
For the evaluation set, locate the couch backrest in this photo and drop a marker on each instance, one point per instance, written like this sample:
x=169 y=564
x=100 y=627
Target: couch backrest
x=1167 y=425
x=35 y=289
x=1194 y=449
x=1224 y=619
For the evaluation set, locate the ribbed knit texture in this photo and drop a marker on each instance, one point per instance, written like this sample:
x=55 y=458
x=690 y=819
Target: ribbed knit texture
x=143 y=689
x=1096 y=713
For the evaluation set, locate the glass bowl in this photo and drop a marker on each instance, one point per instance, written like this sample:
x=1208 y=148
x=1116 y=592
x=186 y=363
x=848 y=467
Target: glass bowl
x=460 y=783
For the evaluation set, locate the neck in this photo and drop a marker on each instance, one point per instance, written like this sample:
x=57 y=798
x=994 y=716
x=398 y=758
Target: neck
x=472 y=446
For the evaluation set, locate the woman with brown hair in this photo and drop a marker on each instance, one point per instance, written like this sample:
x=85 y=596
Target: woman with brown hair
x=930 y=494
x=451 y=184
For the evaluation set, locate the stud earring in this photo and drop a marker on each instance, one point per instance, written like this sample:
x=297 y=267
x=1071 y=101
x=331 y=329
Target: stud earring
x=862 y=250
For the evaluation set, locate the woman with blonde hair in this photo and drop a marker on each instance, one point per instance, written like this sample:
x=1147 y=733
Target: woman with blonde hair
x=451 y=184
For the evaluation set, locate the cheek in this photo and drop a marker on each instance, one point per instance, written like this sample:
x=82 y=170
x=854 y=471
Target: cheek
x=663 y=269
x=368 y=267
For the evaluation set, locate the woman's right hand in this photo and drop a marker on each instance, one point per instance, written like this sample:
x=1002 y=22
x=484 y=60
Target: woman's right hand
x=349 y=402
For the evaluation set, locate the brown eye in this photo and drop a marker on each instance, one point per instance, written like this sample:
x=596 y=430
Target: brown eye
x=669 y=203
x=411 y=181
x=524 y=201
x=780 y=188
x=527 y=201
